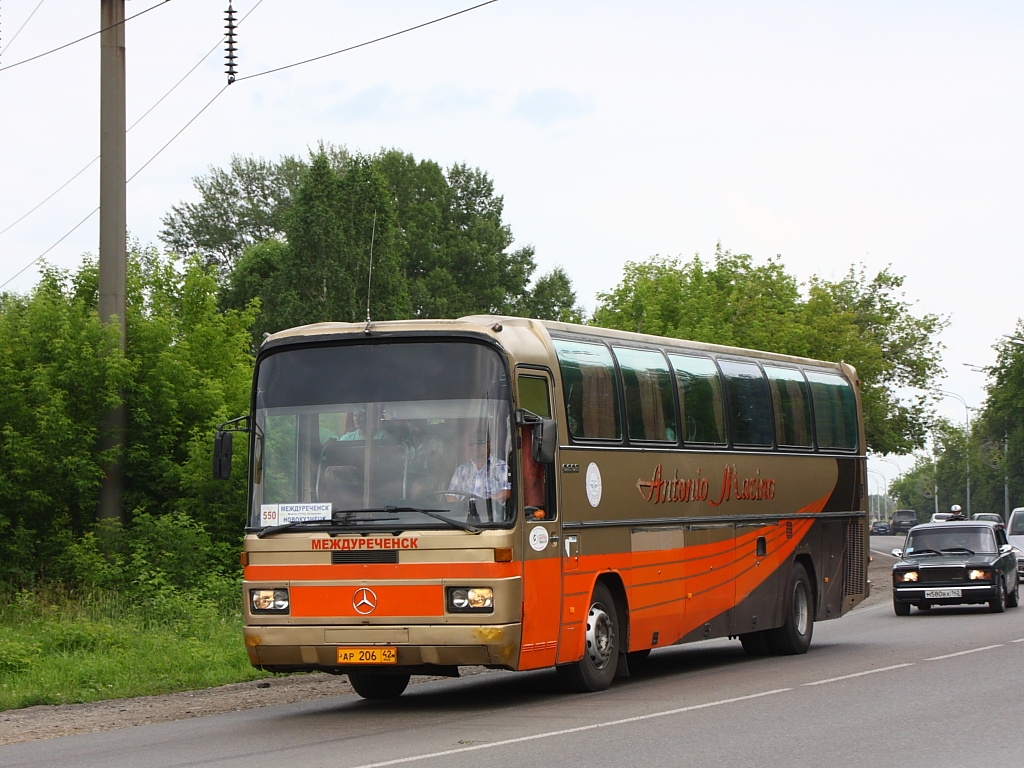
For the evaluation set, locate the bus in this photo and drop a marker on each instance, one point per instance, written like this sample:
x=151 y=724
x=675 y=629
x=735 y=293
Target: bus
x=426 y=495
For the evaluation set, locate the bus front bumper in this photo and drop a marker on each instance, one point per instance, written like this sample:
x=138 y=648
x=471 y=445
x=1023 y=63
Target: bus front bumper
x=298 y=648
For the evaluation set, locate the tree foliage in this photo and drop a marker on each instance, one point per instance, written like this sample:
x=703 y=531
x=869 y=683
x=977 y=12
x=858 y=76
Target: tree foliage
x=440 y=246
x=734 y=301
x=187 y=367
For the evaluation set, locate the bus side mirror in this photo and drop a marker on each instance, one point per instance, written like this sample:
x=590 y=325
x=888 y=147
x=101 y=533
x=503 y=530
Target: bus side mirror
x=222 y=455
x=545 y=438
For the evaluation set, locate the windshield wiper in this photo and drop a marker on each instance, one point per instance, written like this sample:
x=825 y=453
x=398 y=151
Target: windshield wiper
x=286 y=526
x=959 y=549
x=925 y=552
x=434 y=513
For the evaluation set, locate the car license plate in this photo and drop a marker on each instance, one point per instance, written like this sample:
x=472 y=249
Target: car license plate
x=382 y=655
x=940 y=593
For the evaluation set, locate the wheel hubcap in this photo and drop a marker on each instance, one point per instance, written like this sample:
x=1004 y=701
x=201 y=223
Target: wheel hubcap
x=801 y=609
x=600 y=637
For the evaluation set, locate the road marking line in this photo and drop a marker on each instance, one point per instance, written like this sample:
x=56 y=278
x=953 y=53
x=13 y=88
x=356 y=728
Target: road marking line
x=1018 y=641
x=579 y=729
x=964 y=653
x=860 y=674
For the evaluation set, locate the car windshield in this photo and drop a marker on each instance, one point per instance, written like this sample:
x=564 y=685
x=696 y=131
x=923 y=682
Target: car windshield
x=1017 y=525
x=954 y=540
x=382 y=436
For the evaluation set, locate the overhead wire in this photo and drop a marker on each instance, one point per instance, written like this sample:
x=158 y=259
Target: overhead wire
x=23 y=24
x=204 y=108
x=368 y=42
x=91 y=162
x=75 y=42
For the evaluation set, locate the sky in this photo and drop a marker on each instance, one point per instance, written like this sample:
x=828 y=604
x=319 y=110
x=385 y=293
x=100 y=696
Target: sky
x=872 y=134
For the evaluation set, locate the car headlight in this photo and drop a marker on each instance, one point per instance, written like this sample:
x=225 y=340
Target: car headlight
x=470 y=599
x=902 y=576
x=979 y=574
x=269 y=600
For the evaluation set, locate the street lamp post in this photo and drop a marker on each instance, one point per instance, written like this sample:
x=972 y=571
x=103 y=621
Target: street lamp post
x=967 y=448
x=884 y=482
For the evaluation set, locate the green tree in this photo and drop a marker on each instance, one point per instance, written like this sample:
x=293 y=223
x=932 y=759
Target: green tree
x=187 y=367
x=551 y=298
x=865 y=322
x=868 y=322
x=239 y=207
x=442 y=231
x=997 y=435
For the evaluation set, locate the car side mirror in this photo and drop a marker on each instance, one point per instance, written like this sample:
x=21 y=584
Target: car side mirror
x=545 y=438
x=222 y=444
x=897 y=553
x=1004 y=548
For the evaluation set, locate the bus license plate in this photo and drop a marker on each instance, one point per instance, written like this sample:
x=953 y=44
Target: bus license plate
x=940 y=593
x=382 y=655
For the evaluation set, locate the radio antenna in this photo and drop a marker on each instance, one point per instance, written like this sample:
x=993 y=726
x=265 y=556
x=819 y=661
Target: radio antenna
x=369 y=275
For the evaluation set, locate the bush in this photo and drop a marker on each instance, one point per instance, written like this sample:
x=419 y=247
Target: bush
x=16 y=656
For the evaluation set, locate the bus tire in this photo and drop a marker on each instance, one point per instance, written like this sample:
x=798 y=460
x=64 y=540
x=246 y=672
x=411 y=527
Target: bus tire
x=756 y=643
x=371 y=685
x=794 y=636
x=596 y=670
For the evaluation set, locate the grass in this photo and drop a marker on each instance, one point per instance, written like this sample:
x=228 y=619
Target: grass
x=62 y=649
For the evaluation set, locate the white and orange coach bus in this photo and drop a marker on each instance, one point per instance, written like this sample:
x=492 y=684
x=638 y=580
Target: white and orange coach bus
x=520 y=494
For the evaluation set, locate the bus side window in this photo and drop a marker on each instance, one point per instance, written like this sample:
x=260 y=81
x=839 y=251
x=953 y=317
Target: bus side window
x=647 y=392
x=835 y=411
x=700 y=399
x=750 y=415
x=792 y=406
x=591 y=394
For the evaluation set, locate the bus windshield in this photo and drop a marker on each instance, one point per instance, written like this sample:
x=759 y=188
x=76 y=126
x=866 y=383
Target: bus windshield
x=382 y=436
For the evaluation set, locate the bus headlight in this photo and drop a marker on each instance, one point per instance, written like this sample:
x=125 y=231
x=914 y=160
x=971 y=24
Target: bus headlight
x=979 y=574
x=269 y=600
x=470 y=599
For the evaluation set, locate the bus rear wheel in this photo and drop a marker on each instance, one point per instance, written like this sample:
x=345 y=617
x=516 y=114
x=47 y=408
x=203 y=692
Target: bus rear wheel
x=596 y=670
x=371 y=685
x=794 y=636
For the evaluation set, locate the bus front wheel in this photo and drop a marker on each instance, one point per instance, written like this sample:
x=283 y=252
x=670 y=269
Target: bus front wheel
x=794 y=636
x=596 y=670
x=374 y=686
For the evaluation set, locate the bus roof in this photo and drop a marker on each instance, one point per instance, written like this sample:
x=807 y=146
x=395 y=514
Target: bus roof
x=494 y=326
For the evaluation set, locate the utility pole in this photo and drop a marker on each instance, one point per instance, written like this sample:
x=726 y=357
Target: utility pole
x=113 y=232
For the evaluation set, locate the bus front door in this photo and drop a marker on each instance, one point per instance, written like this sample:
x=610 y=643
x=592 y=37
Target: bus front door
x=542 y=533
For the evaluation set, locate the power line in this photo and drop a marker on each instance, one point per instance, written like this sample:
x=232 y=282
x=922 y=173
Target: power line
x=91 y=162
x=75 y=42
x=62 y=239
x=368 y=42
x=169 y=141
x=23 y=25
x=206 y=106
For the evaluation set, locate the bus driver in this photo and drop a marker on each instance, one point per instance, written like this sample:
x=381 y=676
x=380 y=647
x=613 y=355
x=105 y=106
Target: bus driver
x=483 y=475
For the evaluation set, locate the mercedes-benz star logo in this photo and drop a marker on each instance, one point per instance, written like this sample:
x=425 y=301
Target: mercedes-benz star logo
x=364 y=601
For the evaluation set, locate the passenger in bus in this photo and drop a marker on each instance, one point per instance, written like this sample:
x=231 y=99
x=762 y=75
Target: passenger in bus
x=484 y=475
x=360 y=433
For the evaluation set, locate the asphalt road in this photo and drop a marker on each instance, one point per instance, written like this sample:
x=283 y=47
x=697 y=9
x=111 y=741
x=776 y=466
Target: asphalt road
x=933 y=689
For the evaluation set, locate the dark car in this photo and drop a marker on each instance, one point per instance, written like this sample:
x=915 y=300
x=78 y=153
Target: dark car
x=955 y=562
x=903 y=520
x=880 y=528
